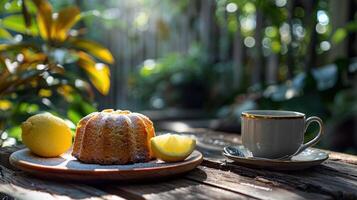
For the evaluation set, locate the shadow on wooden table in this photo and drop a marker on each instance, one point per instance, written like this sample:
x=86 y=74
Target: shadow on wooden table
x=5 y=196
x=25 y=185
x=330 y=178
x=30 y=187
x=179 y=186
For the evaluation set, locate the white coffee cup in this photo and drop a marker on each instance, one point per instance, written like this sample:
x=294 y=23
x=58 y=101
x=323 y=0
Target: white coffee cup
x=275 y=134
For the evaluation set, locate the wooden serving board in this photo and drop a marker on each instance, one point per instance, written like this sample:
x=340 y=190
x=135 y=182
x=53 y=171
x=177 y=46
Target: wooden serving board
x=67 y=167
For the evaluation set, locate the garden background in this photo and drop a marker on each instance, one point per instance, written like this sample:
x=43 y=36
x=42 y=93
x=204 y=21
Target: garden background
x=186 y=64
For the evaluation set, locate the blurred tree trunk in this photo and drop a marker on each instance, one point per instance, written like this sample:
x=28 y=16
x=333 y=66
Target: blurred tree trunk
x=352 y=37
x=271 y=72
x=290 y=62
x=224 y=39
x=185 y=32
x=122 y=92
x=310 y=58
x=194 y=16
x=238 y=59
x=339 y=18
x=257 y=72
x=209 y=30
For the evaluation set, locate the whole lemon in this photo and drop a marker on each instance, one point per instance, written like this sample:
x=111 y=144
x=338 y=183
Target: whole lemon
x=46 y=135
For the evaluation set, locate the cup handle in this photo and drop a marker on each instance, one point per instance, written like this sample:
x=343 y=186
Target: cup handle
x=318 y=136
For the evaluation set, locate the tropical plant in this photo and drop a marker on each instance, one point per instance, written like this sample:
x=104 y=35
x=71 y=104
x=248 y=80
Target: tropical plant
x=39 y=54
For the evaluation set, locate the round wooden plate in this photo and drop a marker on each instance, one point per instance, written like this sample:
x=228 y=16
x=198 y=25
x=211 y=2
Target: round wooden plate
x=66 y=167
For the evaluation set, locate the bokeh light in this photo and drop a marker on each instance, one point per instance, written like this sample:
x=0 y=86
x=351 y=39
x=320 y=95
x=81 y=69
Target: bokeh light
x=231 y=7
x=249 y=42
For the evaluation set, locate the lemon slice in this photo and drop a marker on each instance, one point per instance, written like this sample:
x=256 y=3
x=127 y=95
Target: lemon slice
x=172 y=147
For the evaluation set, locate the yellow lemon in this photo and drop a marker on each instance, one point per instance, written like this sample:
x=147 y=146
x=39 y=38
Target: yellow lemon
x=172 y=147
x=46 y=135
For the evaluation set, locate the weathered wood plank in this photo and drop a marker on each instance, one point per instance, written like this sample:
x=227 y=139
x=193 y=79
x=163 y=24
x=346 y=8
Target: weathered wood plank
x=21 y=186
x=342 y=157
x=5 y=154
x=343 y=169
x=320 y=179
x=172 y=189
x=248 y=186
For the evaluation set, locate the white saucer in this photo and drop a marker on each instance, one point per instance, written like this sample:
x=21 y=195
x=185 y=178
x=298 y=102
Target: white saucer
x=308 y=158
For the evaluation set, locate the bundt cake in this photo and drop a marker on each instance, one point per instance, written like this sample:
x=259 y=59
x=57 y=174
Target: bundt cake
x=113 y=137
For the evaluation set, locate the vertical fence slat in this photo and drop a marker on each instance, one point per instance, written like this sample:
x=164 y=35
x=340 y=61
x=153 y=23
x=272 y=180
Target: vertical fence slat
x=258 y=55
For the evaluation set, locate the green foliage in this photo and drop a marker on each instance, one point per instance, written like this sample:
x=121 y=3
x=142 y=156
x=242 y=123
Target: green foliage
x=340 y=34
x=173 y=73
x=286 y=36
x=4 y=34
x=17 y=23
x=183 y=81
x=39 y=66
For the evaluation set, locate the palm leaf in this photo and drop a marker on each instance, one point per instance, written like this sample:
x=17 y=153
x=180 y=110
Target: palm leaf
x=3 y=47
x=44 y=18
x=94 y=49
x=13 y=7
x=5 y=34
x=26 y=14
x=18 y=47
x=65 y=20
x=4 y=73
x=17 y=23
x=99 y=73
x=31 y=57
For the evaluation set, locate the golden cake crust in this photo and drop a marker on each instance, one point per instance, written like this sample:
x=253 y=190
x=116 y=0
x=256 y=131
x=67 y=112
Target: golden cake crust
x=113 y=137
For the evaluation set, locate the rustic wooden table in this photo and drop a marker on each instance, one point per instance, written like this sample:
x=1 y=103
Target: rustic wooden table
x=215 y=178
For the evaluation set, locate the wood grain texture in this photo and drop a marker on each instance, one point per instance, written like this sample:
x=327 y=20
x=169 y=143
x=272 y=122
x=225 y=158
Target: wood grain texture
x=256 y=188
x=173 y=189
x=21 y=186
x=320 y=179
x=342 y=157
x=5 y=154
